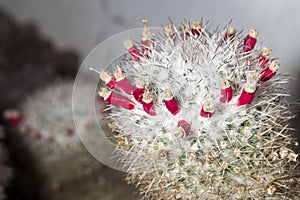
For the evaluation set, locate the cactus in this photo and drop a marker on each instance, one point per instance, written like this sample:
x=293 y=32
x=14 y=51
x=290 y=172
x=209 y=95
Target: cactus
x=206 y=117
x=46 y=122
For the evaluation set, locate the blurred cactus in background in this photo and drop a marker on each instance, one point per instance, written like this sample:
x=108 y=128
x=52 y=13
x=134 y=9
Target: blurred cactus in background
x=206 y=117
x=5 y=171
x=46 y=121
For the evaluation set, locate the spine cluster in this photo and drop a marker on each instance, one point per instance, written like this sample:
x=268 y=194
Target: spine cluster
x=201 y=115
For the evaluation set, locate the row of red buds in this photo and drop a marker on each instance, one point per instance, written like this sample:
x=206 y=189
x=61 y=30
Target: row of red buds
x=245 y=98
x=141 y=95
x=119 y=81
x=144 y=96
x=16 y=118
x=248 y=92
x=249 y=40
x=148 y=43
x=196 y=29
x=186 y=31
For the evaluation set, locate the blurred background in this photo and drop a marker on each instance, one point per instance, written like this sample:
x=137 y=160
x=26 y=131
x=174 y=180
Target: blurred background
x=42 y=44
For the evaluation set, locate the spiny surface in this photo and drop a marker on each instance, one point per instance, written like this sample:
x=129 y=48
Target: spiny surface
x=231 y=150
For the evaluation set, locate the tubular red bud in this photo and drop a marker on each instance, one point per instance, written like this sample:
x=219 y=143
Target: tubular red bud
x=226 y=91
x=138 y=94
x=264 y=57
x=122 y=82
x=247 y=95
x=196 y=28
x=149 y=107
x=148 y=104
x=134 y=52
x=139 y=90
x=116 y=99
x=170 y=102
x=250 y=40
x=169 y=30
x=185 y=126
x=109 y=80
x=185 y=32
x=230 y=33
x=14 y=117
x=270 y=71
x=207 y=110
x=262 y=61
x=147 y=45
x=147 y=40
x=125 y=86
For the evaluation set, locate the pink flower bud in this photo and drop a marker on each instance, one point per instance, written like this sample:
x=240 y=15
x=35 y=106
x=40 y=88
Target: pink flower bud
x=250 y=40
x=134 y=52
x=122 y=82
x=226 y=91
x=264 y=57
x=14 y=117
x=185 y=126
x=230 y=33
x=147 y=40
x=207 y=110
x=148 y=104
x=185 y=32
x=247 y=95
x=169 y=30
x=170 y=102
x=196 y=28
x=139 y=90
x=116 y=99
x=109 y=80
x=270 y=71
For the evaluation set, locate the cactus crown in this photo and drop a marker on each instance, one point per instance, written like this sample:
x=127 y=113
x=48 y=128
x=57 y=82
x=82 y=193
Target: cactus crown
x=209 y=120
